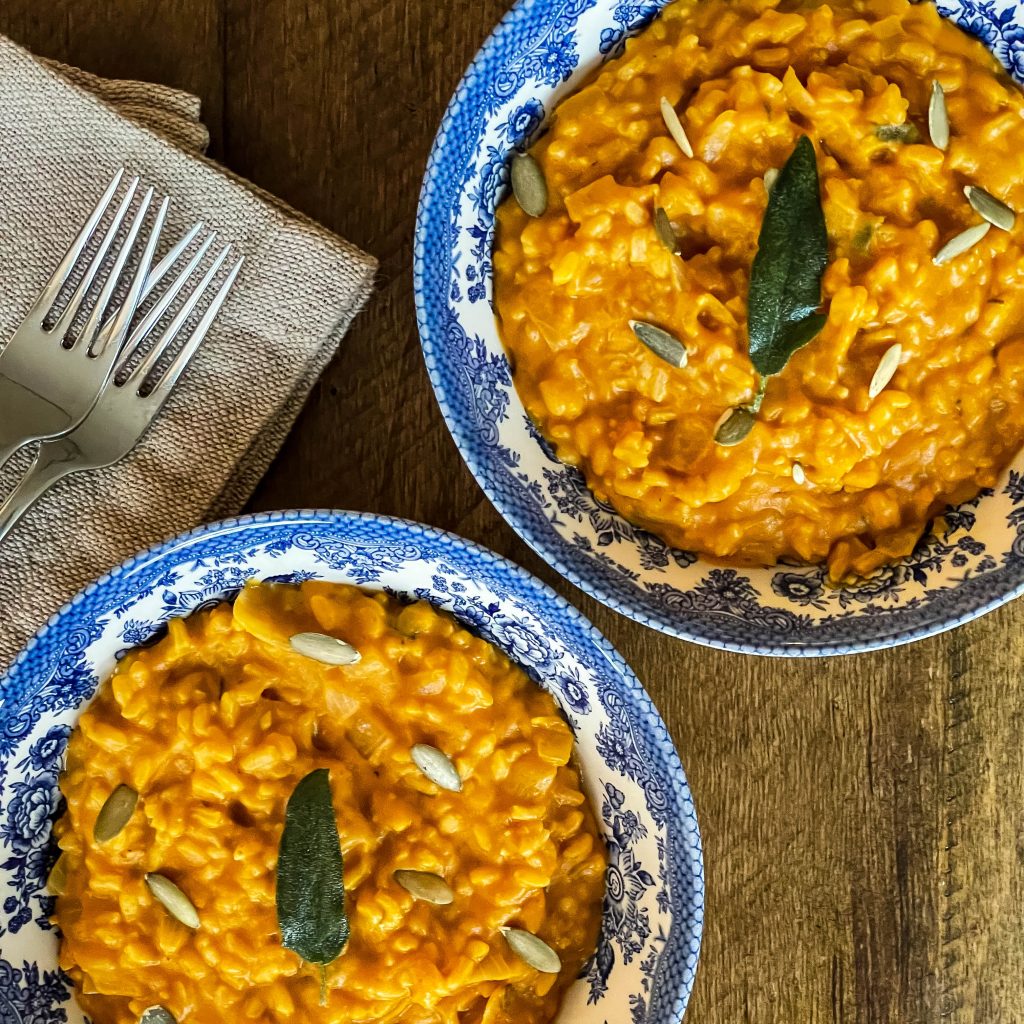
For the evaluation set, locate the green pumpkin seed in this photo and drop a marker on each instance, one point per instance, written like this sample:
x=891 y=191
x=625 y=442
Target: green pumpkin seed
x=57 y=880
x=533 y=951
x=437 y=767
x=115 y=813
x=174 y=901
x=770 y=177
x=992 y=209
x=959 y=244
x=661 y=343
x=666 y=234
x=675 y=126
x=734 y=426
x=938 y=117
x=157 y=1015
x=528 y=185
x=906 y=133
x=326 y=649
x=887 y=367
x=423 y=885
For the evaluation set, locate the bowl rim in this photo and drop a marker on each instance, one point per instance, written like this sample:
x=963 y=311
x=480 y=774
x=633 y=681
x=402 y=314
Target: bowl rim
x=630 y=604
x=533 y=591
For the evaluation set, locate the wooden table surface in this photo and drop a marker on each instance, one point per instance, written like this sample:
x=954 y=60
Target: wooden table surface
x=862 y=817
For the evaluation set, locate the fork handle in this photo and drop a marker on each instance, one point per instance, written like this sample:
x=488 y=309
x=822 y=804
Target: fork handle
x=54 y=461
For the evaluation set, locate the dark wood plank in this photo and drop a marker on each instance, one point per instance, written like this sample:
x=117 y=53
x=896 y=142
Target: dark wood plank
x=175 y=42
x=862 y=817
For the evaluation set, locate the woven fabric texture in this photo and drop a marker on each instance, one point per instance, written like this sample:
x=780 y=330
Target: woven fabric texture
x=63 y=134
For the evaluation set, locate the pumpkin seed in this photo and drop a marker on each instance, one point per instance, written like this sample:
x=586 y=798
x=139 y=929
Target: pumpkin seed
x=938 y=117
x=437 y=767
x=423 y=885
x=862 y=239
x=57 y=880
x=115 y=813
x=770 y=177
x=906 y=132
x=528 y=185
x=157 y=1015
x=734 y=426
x=959 y=244
x=327 y=649
x=666 y=234
x=175 y=902
x=799 y=476
x=533 y=951
x=661 y=343
x=675 y=126
x=887 y=367
x=992 y=209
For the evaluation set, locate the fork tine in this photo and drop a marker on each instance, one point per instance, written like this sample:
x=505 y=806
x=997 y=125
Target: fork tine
x=161 y=270
x=152 y=318
x=156 y=275
x=63 y=324
x=91 y=330
x=60 y=276
x=189 y=349
x=143 y=370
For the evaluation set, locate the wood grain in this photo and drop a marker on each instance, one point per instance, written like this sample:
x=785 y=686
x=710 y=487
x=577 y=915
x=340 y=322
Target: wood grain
x=862 y=817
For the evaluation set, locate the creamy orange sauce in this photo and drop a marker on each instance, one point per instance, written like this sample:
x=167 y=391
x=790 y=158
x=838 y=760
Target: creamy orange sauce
x=216 y=724
x=748 y=78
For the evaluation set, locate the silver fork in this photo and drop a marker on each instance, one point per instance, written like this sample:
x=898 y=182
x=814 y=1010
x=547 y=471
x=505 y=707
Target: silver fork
x=125 y=411
x=47 y=389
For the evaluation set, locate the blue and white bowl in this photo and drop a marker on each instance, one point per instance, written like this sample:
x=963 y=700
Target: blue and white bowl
x=647 y=956
x=540 y=52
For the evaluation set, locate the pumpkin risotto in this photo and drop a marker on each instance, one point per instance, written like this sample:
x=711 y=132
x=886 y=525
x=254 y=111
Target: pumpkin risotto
x=910 y=397
x=470 y=850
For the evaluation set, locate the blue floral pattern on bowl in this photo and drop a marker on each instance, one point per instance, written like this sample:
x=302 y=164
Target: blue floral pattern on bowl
x=644 y=968
x=541 y=51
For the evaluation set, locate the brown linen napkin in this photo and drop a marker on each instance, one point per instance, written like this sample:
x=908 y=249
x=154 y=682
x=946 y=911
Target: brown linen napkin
x=63 y=133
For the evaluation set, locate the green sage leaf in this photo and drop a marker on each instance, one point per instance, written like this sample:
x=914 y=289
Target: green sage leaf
x=310 y=877
x=792 y=252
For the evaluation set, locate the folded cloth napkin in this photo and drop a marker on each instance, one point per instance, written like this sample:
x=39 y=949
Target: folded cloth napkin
x=63 y=133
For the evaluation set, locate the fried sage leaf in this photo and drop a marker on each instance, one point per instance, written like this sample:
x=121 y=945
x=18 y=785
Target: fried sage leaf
x=326 y=649
x=938 y=117
x=529 y=185
x=533 y=951
x=157 y=1015
x=437 y=766
x=115 y=813
x=175 y=902
x=423 y=885
x=992 y=209
x=664 y=345
x=310 y=877
x=785 y=279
